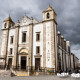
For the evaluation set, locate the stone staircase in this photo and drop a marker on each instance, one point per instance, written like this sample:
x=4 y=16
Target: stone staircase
x=5 y=73
x=21 y=73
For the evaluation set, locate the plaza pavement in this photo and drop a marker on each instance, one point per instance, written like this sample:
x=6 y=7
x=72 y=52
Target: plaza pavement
x=42 y=77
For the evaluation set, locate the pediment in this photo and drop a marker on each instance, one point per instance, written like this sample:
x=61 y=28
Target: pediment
x=25 y=21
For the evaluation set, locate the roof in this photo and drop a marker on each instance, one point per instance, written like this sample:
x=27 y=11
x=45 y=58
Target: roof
x=8 y=19
x=58 y=32
x=75 y=56
x=48 y=9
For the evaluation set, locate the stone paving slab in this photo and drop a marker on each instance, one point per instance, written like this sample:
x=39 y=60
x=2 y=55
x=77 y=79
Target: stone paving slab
x=44 y=77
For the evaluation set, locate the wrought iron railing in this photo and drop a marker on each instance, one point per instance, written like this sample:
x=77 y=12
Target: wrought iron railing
x=32 y=69
x=29 y=68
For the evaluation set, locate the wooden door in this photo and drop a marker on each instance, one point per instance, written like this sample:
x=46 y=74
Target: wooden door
x=10 y=63
x=37 y=63
x=23 y=62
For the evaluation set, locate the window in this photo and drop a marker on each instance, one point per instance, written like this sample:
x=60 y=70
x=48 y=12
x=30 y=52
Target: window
x=38 y=36
x=48 y=15
x=5 y=25
x=37 y=50
x=10 y=50
x=24 y=37
x=59 y=40
x=11 y=39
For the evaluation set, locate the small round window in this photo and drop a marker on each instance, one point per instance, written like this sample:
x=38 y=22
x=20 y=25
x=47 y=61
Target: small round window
x=48 y=15
x=5 y=25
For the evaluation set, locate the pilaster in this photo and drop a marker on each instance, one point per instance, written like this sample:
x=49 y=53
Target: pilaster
x=53 y=53
x=16 y=46
x=30 y=44
x=44 y=44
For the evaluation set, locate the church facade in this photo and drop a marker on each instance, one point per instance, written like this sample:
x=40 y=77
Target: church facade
x=34 y=44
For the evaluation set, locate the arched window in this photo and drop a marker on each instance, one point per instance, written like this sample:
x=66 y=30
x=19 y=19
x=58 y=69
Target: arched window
x=5 y=25
x=48 y=15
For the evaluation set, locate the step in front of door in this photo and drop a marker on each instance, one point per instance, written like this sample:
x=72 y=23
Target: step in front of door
x=21 y=73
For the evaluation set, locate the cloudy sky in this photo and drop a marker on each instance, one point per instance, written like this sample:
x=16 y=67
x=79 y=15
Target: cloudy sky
x=68 y=16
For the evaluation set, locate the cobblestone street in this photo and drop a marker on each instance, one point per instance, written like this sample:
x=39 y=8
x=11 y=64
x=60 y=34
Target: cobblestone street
x=45 y=77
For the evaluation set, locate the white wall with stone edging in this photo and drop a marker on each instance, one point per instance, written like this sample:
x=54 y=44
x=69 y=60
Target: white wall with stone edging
x=38 y=28
x=48 y=44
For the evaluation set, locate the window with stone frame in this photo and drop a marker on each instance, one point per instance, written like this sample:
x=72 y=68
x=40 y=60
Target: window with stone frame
x=59 y=40
x=23 y=36
x=48 y=15
x=38 y=50
x=11 y=51
x=65 y=45
x=11 y=39
x=69 y=49
x=62 y=42
x=38 y=36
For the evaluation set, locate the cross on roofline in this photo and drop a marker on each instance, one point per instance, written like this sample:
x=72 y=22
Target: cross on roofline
x=26 y=13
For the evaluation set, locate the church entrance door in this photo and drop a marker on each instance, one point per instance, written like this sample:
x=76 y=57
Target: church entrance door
x=10 y=63
x=37 y=63
x=23 y=62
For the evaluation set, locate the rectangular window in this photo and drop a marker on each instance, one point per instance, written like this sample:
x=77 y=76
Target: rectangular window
x=38 y=50
x=24 y=37
x=11 y=50
x=38 y=36
x=11 y=39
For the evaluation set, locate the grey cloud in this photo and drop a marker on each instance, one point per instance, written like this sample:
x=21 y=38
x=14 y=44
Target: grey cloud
x=68 y=15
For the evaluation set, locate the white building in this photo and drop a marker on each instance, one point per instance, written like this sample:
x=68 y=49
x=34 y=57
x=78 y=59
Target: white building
x=34 y=44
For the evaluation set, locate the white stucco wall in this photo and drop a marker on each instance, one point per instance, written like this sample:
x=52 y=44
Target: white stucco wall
x=38 y=28
x=23 y=29
x=11 y=33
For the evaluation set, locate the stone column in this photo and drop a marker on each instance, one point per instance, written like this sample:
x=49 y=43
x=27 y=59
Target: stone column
x=19 y=62
x=44 y=44
x=53 y=45
x=16 y=46
x=30 y=44
x=26 y=63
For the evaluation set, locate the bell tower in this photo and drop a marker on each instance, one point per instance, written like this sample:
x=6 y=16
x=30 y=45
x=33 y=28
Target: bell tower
x=50 y=38
x=49 y=14
x=7 y=23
